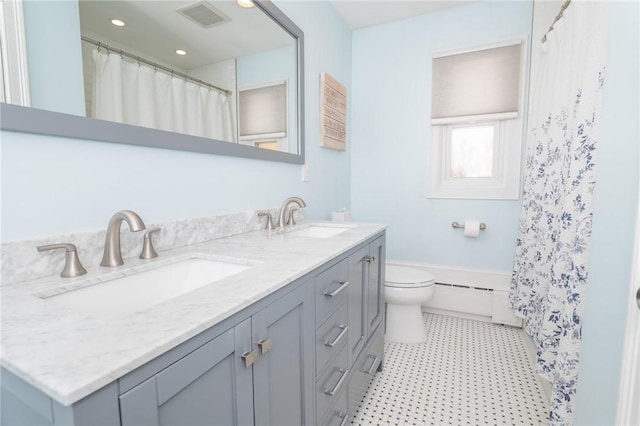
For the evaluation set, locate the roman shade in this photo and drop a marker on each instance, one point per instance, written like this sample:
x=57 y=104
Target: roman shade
x=480 y=84
x=262 y=111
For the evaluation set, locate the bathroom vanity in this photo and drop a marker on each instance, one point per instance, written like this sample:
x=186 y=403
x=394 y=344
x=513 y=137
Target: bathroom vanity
x=295 y=336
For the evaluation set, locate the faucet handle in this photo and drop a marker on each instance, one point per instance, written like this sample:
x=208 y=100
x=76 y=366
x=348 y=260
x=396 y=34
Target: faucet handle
x=292 y=221
x=148 y=252
x=269 y=224
x=72 y=265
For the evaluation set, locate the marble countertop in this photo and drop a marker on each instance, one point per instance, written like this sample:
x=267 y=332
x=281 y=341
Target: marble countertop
x=68 y=354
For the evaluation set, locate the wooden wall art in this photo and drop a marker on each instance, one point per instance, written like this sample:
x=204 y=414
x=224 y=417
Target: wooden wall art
x=333 y=113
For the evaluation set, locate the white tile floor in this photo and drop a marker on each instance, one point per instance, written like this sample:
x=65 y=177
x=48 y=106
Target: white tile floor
x=468 y=373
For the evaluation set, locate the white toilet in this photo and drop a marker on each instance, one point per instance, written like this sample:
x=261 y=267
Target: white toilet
x=406 y=289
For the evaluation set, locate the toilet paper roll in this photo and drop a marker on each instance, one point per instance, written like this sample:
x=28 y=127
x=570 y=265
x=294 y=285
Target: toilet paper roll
x=471 y=228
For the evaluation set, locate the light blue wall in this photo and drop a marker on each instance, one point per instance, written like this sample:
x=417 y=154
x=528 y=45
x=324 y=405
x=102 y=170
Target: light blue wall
x=391 y=109
x=616 y=198
x=54 y=55
x=55 y=185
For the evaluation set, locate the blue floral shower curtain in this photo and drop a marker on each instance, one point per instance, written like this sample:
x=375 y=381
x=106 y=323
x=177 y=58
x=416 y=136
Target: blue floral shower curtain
x=550 y=267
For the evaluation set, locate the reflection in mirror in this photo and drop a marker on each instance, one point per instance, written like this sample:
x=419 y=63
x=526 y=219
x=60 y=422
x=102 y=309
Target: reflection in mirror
x=178 y=66
x=206 y=68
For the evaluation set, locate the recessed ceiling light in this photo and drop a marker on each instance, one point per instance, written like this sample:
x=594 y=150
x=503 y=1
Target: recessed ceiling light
x=118 y=22
x=181 y=52
x=245 y=3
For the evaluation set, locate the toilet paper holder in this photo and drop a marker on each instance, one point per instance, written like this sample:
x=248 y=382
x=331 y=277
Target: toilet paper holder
x=461 y=226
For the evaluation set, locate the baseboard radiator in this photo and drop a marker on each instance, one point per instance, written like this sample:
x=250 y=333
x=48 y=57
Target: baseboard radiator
x=469 y=293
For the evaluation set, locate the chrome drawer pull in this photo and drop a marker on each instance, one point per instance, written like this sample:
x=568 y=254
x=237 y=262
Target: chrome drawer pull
x=265 y=344
x=344 y=329
x=332 y=392
x=344 y=417
x=334 y=293
x=249 y=357
x=372 y=366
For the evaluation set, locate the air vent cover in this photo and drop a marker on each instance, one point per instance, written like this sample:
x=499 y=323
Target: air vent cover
x=204 y=14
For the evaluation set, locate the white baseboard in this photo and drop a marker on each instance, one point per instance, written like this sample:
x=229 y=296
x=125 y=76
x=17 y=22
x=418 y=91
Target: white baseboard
x=455 y=275
x=469 y=293
x=456 y=314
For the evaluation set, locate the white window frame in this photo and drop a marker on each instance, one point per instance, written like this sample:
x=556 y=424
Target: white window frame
x=505 y=184
x=13 y=54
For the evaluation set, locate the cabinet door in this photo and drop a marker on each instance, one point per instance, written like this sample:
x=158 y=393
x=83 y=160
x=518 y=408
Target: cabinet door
x=283 y=373
x=210 y=386
x=364 y=371
x=357 y=302
x=375 y=282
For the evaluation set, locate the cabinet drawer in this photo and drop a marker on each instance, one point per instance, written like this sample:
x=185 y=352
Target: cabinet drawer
x=331 y=337
x=338 y=416
x=331 y=290
x=332 y=383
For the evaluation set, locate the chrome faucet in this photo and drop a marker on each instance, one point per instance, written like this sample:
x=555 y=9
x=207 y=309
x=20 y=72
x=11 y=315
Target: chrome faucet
x=112 y=255
x=283 y=210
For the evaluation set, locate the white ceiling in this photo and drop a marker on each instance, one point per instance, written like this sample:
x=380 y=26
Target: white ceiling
x=155 y=29
x=366 y=13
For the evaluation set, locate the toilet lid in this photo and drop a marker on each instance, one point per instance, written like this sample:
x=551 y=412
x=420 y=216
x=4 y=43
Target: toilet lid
x=405 y=276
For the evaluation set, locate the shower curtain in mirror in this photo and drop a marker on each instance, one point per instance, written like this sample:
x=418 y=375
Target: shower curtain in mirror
x=132 y=93
x=550 y=267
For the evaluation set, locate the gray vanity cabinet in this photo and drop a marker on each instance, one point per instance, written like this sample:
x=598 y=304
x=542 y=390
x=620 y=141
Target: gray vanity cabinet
x=283 y=373
x=357 y=302
x=255 y=373
x=209 y=386
x=303 y=355
x=366 y=295
x=375 y=285
x=366 y=315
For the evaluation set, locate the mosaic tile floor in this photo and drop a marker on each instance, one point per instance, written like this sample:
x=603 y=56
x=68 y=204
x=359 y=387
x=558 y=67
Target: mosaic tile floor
x=468 y=373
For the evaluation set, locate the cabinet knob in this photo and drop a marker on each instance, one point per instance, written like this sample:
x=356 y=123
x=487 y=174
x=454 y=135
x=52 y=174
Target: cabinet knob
x=373 y=366
x=265 y=344
x=343 y=331
x=334 y=293
x=370 y=259
x=336 y=388
x=345 y=418
x=250 y=357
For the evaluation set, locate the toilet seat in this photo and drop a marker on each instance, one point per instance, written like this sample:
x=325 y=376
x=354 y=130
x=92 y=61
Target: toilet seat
x=407 y=277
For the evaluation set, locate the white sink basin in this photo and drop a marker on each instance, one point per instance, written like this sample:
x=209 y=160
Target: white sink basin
x=319 y=231
x=125 y=295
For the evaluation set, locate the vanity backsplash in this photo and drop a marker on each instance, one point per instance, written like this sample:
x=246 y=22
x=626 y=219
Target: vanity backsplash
x=21 y=261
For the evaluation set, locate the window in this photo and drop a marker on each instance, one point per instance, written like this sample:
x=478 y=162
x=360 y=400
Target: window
x=262 y=115
x=476 y=123
x=471 y=151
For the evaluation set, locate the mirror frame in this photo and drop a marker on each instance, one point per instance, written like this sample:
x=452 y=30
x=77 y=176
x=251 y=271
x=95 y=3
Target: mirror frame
x=32 y=120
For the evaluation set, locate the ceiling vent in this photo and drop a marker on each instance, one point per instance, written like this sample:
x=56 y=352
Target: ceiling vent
x=204 y=14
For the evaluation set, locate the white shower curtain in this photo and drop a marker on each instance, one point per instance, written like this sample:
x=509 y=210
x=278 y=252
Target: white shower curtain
x=550 y=267
x=132 y=93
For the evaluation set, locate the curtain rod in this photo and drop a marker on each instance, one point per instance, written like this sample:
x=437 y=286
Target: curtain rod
x=558 y=17
x=155 y=65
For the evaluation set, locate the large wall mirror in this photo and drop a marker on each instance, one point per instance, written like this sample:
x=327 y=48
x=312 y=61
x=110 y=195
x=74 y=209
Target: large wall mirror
x=221 y=77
